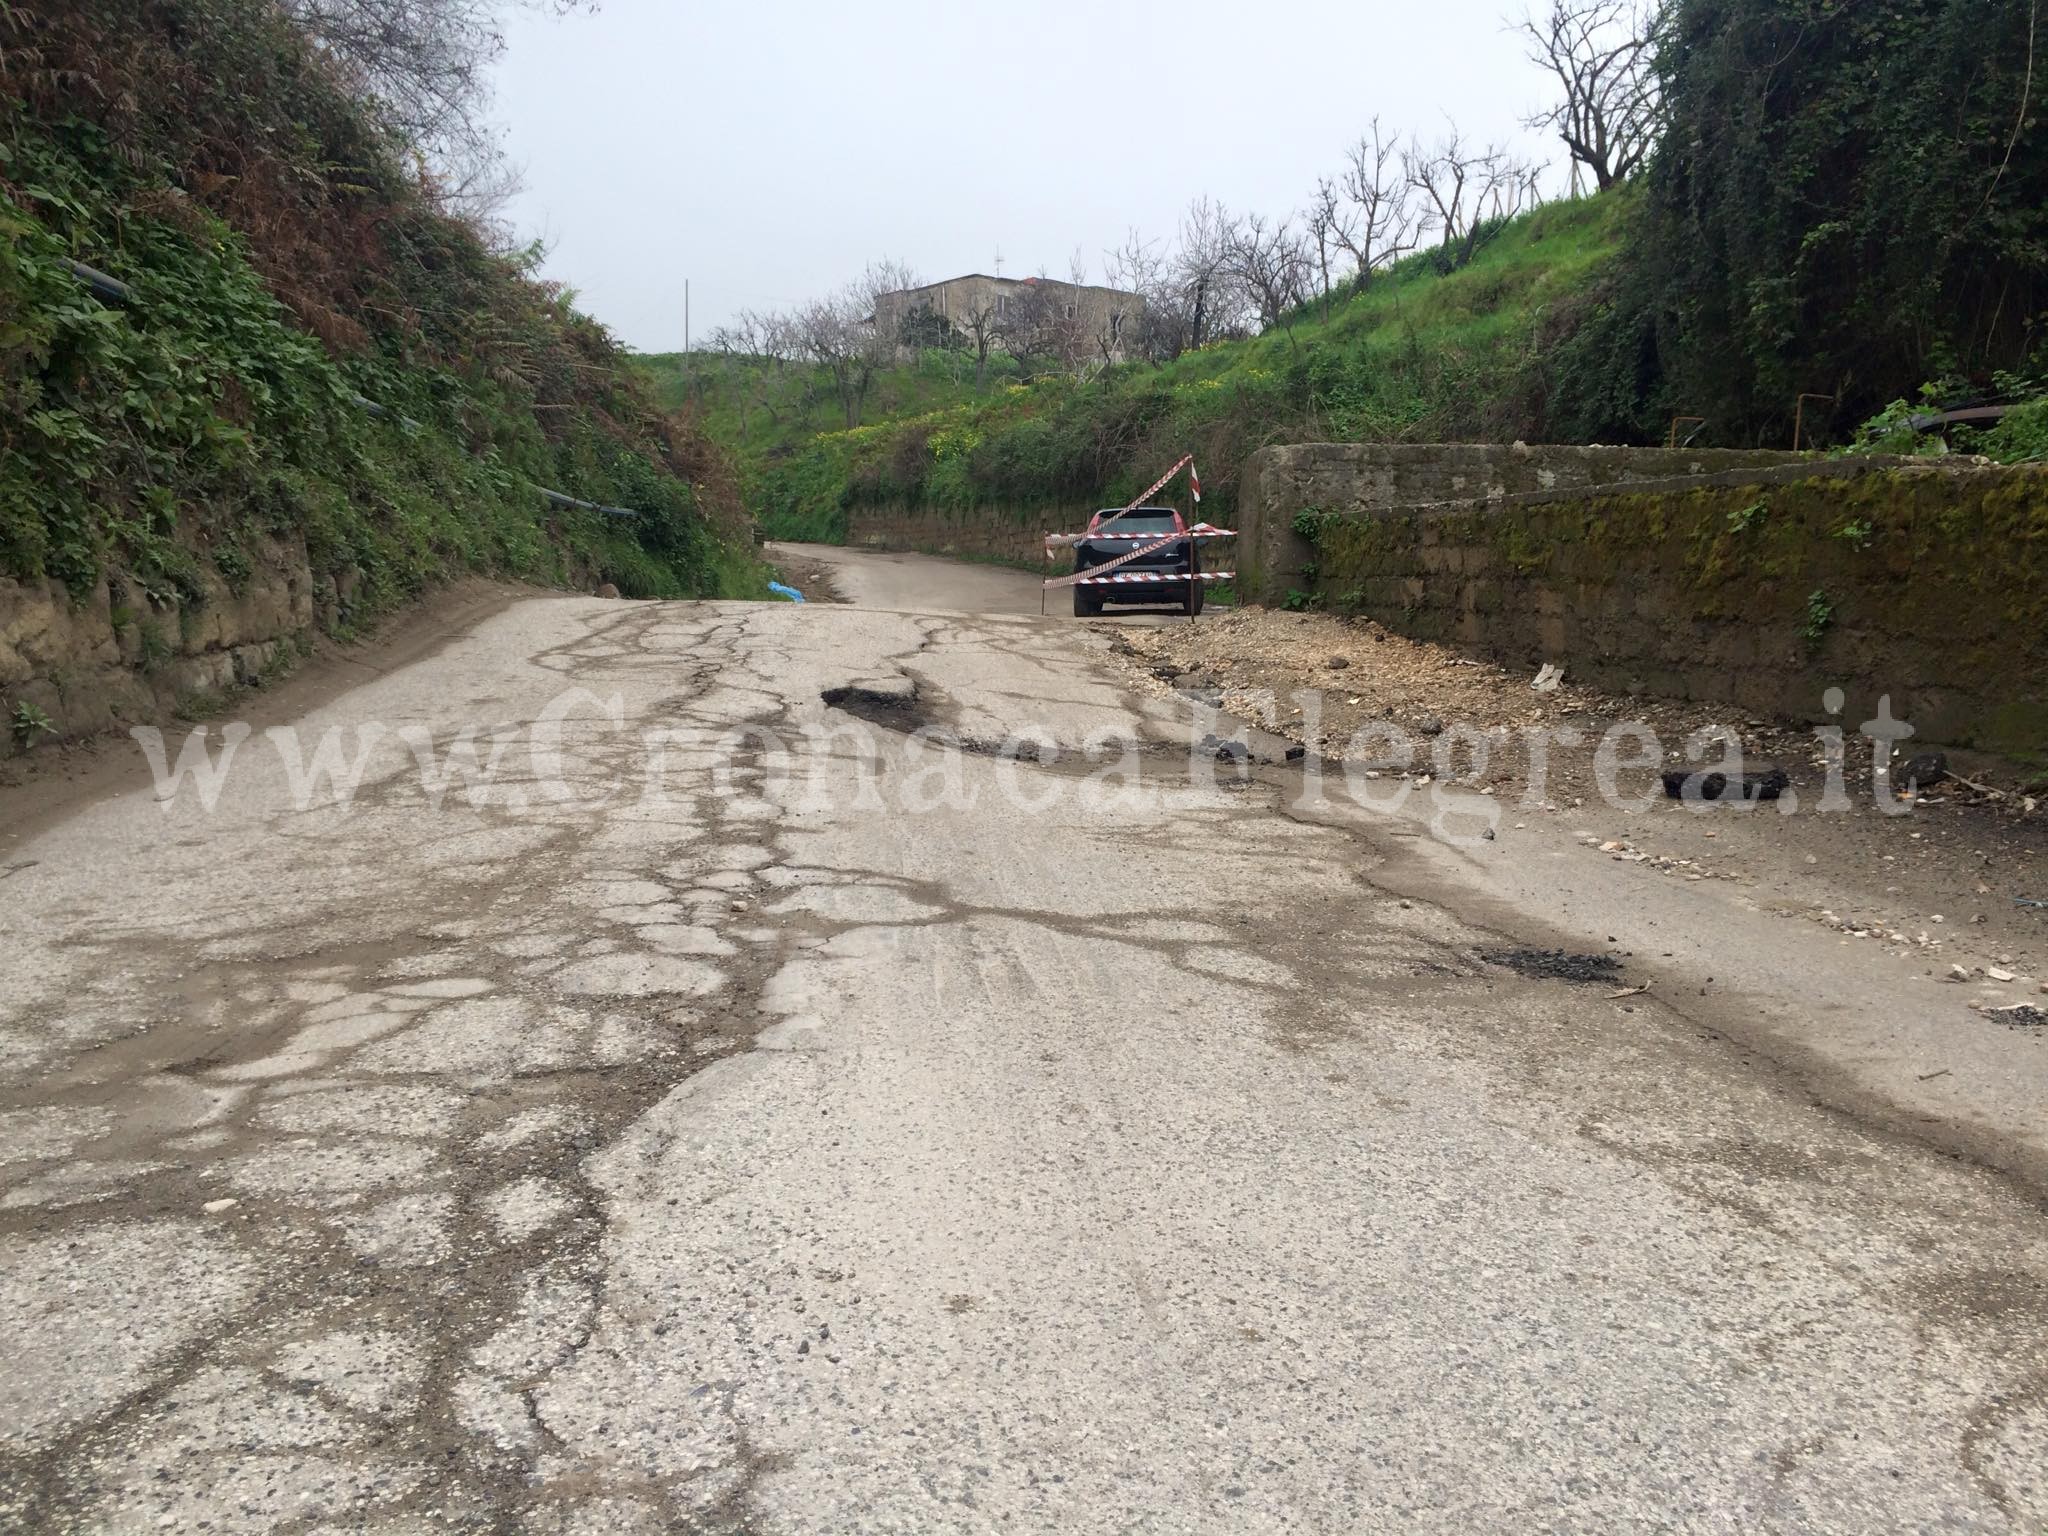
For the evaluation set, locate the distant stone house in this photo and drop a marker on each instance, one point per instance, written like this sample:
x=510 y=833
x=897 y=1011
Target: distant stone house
x=1074 y=321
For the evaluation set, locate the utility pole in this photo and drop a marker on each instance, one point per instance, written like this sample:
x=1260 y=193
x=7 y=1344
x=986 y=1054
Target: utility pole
x=999 y=261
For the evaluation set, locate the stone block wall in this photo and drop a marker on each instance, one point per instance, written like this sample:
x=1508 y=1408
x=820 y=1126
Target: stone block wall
x=96 y=660
x=1355 y=479
x=1759 y=589
x=983 y=533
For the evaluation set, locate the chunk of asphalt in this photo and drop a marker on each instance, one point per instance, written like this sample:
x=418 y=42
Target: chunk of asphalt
x=2020 y=1016
x=1555 y=965
x=1697 y=784
x=1923 y=770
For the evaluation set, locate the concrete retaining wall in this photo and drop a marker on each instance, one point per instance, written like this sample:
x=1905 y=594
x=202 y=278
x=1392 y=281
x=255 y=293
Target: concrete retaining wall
x=1356 y=479
x=1762 y=589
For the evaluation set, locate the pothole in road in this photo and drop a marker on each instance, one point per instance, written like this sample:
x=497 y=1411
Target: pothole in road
x=911 y=709
x=903 y=706
x=893 y=706
x=1555 y=965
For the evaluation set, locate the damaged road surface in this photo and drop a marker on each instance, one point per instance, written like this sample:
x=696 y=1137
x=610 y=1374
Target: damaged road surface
x=723 y=1110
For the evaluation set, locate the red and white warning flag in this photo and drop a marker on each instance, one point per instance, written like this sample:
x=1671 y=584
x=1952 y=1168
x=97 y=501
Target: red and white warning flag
x=1194 y=480
x=1186 y=461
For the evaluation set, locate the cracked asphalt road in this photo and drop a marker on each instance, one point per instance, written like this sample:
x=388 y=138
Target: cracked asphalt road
x=805 y=1148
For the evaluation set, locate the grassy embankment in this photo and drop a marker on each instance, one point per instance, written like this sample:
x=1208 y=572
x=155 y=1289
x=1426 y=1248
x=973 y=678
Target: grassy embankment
x=285 y=260
x=1421 y=355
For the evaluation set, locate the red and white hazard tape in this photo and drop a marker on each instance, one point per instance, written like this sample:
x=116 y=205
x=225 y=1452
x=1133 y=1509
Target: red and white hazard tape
x=1152 y=576
x=1055 y=540
x=1199 y=531
x=1163 y=542
x=1187 y=462
x=1109 y=565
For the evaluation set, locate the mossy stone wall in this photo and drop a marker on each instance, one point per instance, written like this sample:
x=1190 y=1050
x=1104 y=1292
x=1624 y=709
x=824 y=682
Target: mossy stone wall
x=1926 y=584
x=979 y=533
x=1359 y=479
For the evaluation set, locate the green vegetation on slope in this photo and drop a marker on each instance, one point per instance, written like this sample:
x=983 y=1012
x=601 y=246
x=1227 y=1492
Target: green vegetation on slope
x=1850 y=200
x=1847 y=203
x=285 y=264
x=1419 y=356
x=762 y=409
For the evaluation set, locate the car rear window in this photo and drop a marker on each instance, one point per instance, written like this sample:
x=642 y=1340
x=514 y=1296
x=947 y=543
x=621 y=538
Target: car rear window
x=1138 y=522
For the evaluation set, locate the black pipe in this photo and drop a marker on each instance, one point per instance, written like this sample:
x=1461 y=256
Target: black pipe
x=105 y=287
x=583 y=506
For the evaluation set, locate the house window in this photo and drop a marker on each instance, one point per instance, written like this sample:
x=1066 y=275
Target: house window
x=1002 y=305
x=1116 y=326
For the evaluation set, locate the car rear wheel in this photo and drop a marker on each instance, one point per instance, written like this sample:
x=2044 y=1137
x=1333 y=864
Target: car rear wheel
x=1194 y=602
x=1087 y=603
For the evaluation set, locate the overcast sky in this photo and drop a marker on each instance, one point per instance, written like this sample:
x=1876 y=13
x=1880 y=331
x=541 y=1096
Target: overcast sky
x=768 y=150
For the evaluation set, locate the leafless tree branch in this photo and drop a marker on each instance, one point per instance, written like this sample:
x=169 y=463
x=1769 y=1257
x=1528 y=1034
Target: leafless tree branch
x=841 y=335
x=424 y=67
x=1385 y=226
x=1271 y=260
x=1601 y=53
x=1468 y=193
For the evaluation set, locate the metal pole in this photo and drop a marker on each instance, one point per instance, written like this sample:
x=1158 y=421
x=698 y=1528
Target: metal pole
x=1799 y=415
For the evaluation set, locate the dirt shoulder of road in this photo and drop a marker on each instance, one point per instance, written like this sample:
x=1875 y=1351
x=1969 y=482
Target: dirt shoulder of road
x=1946 y=882
x=45 y=786
x=810 y=576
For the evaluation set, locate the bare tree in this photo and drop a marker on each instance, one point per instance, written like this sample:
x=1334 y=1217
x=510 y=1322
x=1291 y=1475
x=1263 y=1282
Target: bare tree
x=984 y=322
x=1215 y=299
x=424 y=67
x=471 y=178
x=1100 y=327
x=841 y=342
x=1384 y=228
x=1136 y=266
x=1601 y=52
x=757 y=347
x=1331 y=224
x=1469 y=193
x=885 y=276
x=842 y=336
x=1272 y=261
x=1045 y=322
x=1161 y=329
x=1118 y=330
